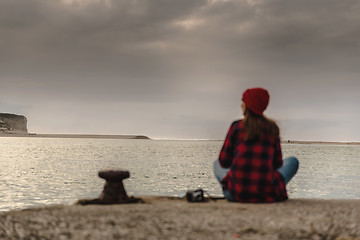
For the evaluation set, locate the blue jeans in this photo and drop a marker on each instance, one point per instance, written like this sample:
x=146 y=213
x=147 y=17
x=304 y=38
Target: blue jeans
x=287 y=170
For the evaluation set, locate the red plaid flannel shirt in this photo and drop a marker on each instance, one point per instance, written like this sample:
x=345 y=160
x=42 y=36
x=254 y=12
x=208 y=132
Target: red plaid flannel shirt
x=252 y=176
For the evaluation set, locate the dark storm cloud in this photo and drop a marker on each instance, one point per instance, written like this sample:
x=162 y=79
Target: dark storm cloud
x=297 y=34
x=139 y=40
x=67 y=46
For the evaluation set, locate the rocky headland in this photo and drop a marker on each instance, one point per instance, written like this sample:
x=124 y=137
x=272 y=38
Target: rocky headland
x=13 y=124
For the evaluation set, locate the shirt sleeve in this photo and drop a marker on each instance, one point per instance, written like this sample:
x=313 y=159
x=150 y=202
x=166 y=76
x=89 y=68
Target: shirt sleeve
x=278 y=154
x=227 y=151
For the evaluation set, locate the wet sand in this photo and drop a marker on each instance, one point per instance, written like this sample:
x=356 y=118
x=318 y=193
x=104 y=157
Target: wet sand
x=166 y=218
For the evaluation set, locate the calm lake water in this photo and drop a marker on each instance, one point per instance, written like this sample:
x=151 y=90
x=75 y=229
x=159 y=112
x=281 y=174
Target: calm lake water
x=43 y=171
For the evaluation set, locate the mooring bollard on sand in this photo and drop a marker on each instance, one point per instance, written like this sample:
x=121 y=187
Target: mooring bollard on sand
x=114 y=191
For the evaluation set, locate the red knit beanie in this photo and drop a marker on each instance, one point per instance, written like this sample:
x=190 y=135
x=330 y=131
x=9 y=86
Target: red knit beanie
x=256 y=99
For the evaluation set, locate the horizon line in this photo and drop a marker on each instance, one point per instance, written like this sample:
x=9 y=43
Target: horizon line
x=141 y=136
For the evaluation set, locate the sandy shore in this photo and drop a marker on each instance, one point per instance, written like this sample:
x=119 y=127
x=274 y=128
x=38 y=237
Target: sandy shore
x=164 y=218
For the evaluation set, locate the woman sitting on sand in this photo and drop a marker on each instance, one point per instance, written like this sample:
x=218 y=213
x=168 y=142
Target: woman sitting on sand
x=250 y=166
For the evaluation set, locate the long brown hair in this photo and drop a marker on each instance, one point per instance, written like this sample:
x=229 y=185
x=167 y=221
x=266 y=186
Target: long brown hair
x=258 y=125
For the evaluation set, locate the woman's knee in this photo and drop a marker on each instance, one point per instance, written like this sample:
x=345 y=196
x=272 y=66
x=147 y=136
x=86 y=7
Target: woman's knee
x=289 y=168
x=293 y=161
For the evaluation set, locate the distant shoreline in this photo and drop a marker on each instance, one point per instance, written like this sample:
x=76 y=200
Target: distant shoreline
x=96 y=136
x=320 y=142
x=109 y=136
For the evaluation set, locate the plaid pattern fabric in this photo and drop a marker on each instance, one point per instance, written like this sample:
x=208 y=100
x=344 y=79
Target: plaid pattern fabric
x=252 y=176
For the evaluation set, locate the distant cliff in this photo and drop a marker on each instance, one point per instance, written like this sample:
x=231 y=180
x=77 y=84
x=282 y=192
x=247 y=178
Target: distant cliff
x=16 y=125
x=12 y=123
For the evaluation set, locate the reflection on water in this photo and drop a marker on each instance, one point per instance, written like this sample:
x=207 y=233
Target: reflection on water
x=327 y=171
x=36 y=172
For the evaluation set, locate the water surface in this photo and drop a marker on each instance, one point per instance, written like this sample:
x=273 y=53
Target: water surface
x=43 y=171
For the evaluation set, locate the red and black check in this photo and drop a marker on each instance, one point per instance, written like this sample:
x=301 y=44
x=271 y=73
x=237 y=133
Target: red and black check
x=252 y=176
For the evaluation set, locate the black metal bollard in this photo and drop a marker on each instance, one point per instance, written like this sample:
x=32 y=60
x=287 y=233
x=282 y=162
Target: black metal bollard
x=114 y=190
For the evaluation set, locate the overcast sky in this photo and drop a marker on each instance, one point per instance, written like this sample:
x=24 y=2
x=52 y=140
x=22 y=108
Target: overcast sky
x=177 y=69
